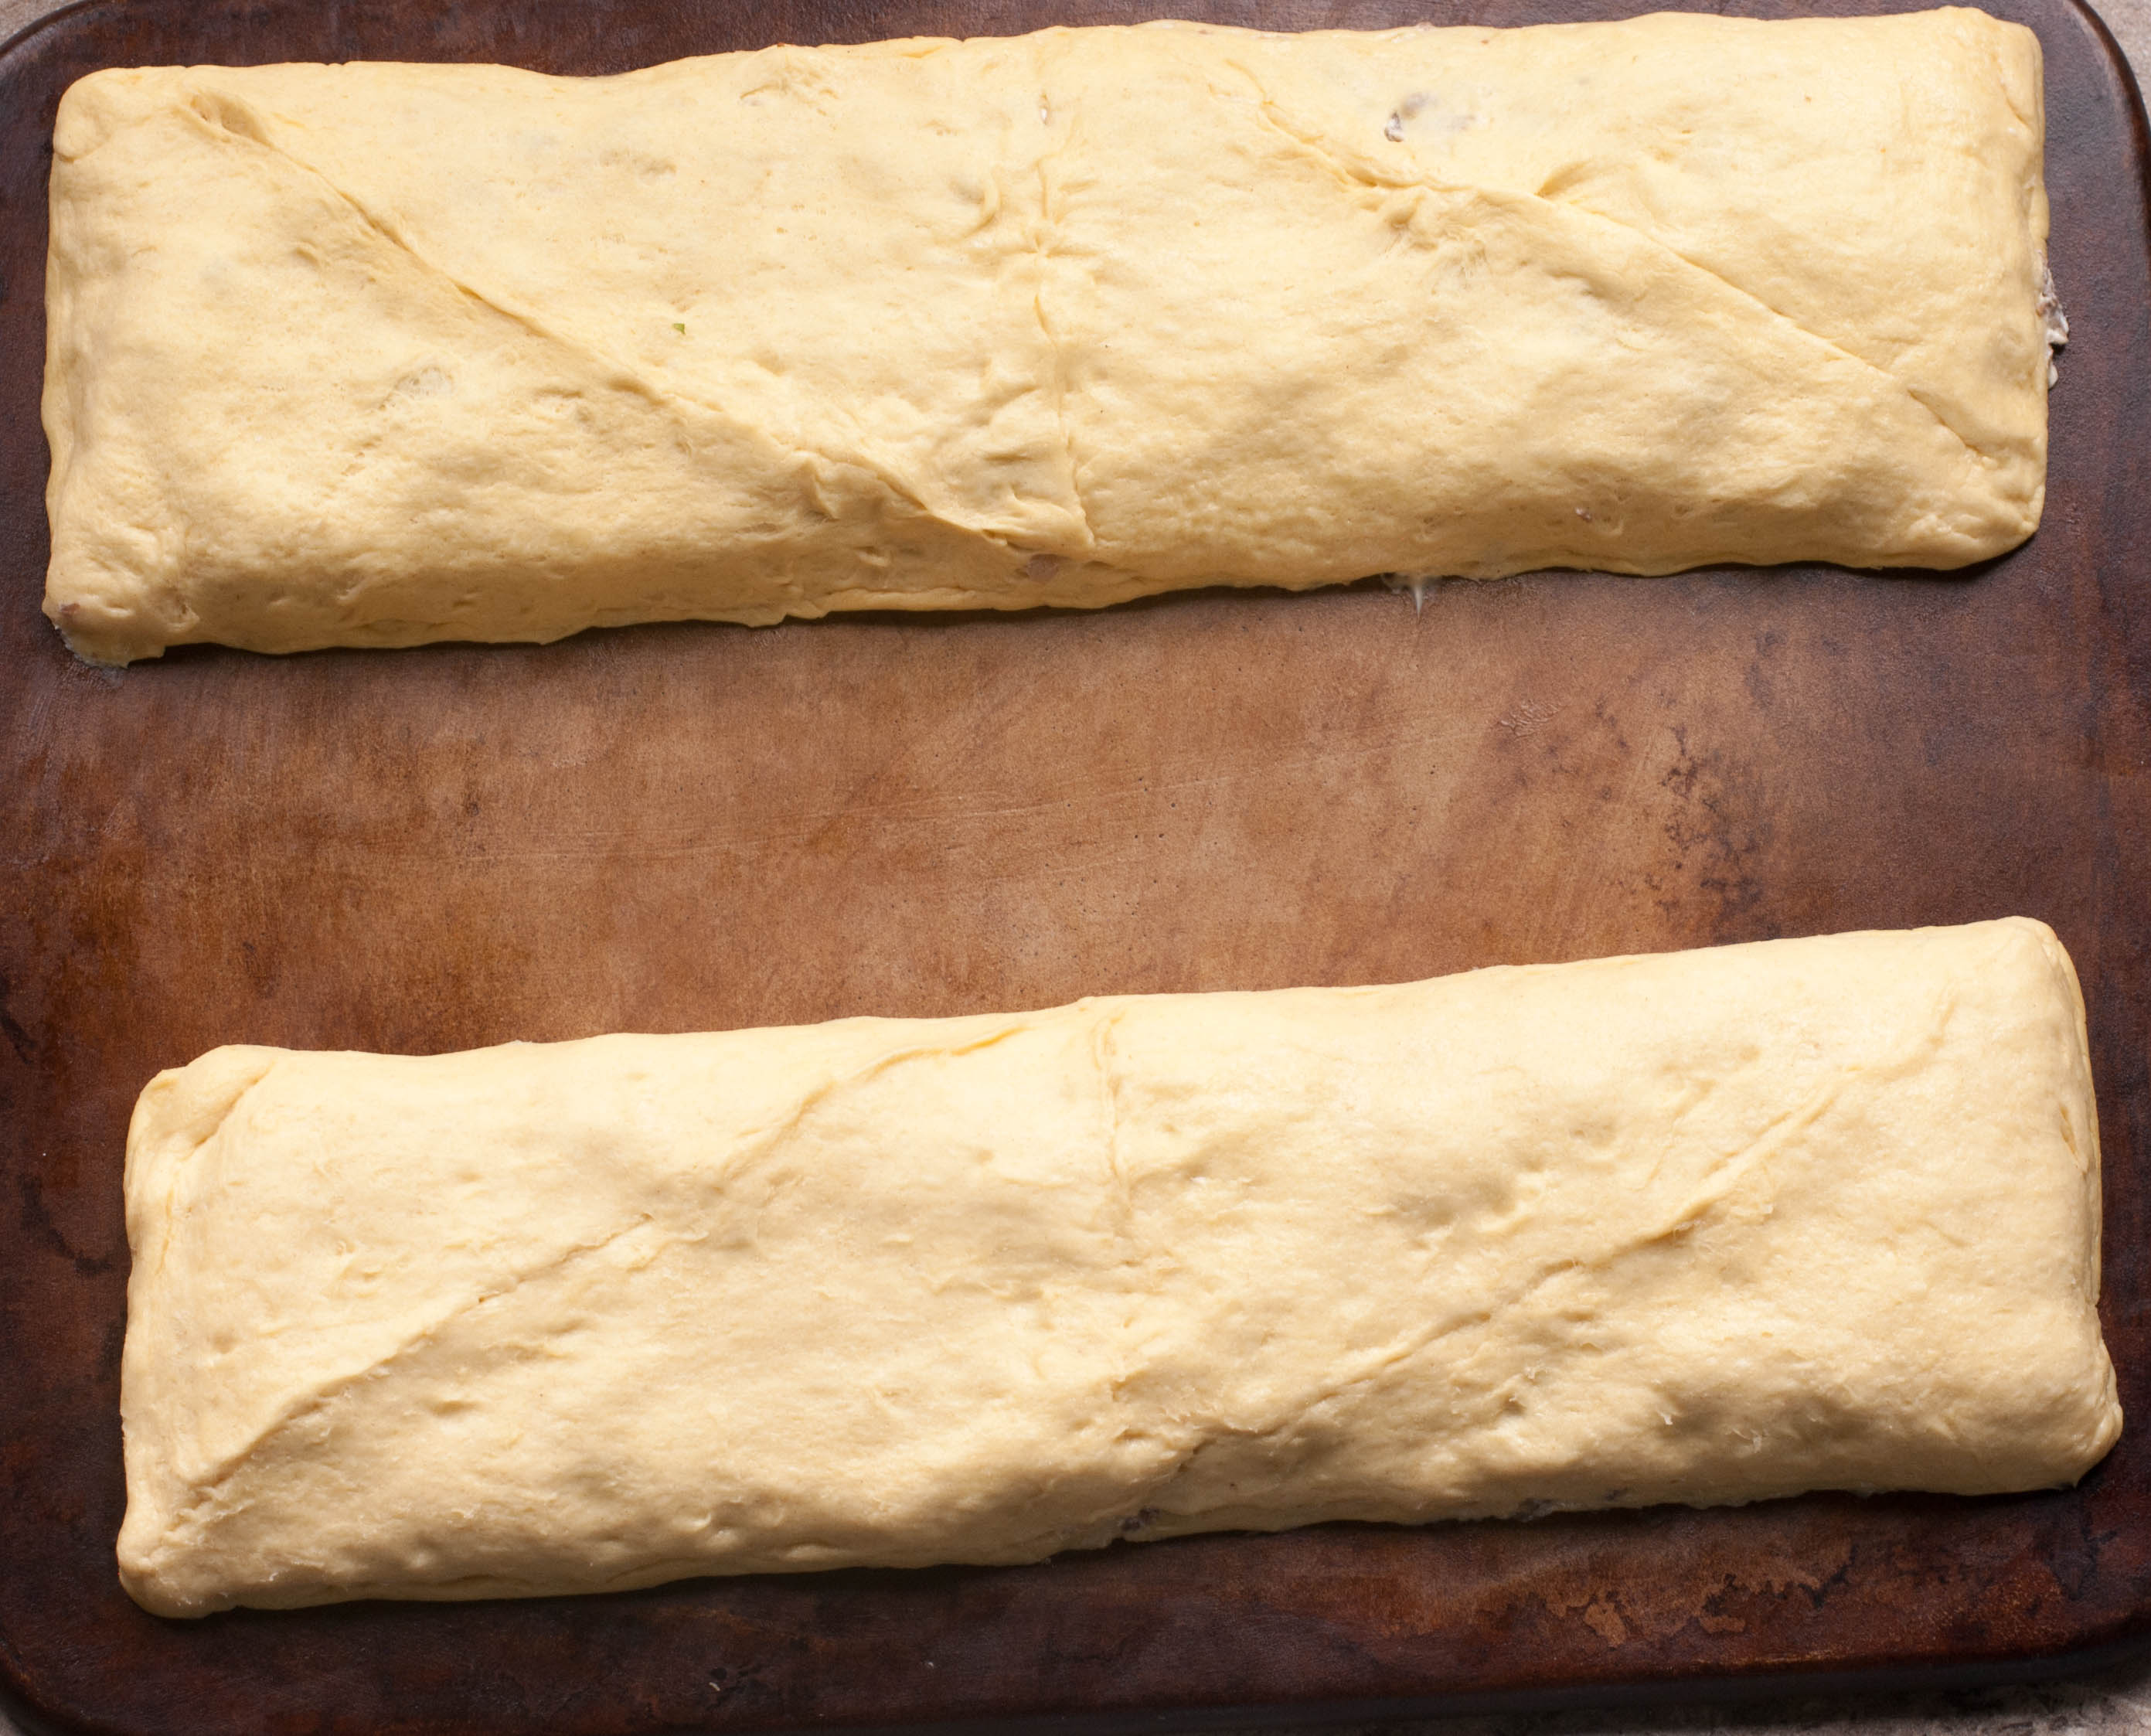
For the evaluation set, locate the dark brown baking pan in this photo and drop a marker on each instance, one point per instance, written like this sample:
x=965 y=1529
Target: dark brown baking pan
x=698 y=827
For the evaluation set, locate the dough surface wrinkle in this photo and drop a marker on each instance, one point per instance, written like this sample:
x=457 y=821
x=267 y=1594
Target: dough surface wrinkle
x=1427 y=303
x=1703 y=1227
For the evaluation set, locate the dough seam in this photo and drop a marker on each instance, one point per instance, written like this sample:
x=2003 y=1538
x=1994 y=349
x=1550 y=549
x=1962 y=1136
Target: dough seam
x=617 y=374
x=1370 y=177
x=202 y=1502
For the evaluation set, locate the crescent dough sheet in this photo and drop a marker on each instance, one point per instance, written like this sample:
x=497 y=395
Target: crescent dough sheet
x=1704 y=1226
x=377 y=354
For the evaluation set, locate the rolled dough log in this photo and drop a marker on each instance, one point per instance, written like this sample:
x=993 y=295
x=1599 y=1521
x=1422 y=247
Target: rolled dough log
x=381 y=354
x=1705 y=1227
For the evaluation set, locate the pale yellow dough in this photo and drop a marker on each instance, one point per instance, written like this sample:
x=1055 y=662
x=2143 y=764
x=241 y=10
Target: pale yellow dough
x=1706 y=1226
x=381 y=354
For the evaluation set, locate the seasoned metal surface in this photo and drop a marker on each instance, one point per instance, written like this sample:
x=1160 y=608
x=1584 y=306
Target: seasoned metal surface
x=690 y=827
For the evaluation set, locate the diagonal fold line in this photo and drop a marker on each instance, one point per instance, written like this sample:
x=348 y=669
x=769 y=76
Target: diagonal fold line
x=667 y=399
x=206 y=1489
x=1370 y=177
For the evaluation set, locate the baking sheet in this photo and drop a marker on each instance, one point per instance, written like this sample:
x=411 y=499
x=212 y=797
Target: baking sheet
x=697 y=827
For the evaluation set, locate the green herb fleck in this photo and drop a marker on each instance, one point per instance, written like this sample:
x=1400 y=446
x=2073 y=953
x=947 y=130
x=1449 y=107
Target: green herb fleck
x=681 y=326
